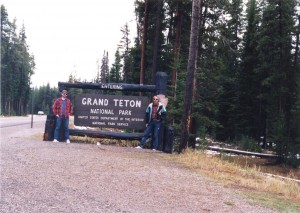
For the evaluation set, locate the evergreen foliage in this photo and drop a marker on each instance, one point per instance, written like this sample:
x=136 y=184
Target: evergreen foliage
x=17 y=66
x=249 y=105
x=277 y=77
x=103 y=70
x=115 y=75
x=124 y=49
x=43 y=99
x=247 y=80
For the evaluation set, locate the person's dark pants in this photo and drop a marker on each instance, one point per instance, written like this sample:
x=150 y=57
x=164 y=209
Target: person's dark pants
x=153 y=126
x=59 y=121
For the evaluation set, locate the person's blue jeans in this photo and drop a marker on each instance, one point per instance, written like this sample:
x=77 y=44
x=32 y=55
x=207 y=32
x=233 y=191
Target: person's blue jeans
x=153 y=126
x=59 y=121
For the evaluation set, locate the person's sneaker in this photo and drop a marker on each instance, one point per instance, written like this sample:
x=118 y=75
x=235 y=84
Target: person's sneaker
x=154 y=149
x=138 y=147
x=55 y=141
x=68 y=141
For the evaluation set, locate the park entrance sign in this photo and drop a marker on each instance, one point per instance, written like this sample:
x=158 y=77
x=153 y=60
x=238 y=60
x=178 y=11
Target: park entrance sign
x=120 y=112
x=110 y=111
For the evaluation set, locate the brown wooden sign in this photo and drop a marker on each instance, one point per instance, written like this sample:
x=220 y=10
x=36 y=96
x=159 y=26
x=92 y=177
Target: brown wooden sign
x=110 y=111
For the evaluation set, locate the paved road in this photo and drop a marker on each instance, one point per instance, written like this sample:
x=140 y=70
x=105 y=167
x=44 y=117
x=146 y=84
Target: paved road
x=21 y=120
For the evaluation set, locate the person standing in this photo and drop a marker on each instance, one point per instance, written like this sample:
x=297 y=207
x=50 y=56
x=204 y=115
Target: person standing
x=62 y=109
x=155 y=115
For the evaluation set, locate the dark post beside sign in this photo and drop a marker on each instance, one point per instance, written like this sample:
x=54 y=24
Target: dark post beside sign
x=165 y=141
x=161 y=79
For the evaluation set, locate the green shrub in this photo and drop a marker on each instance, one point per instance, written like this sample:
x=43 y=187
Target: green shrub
x=249 y=144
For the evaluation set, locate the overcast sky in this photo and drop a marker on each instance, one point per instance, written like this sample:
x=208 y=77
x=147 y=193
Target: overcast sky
x=70 y=35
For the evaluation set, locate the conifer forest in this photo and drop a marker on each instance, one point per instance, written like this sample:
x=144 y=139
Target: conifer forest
x=233 y=69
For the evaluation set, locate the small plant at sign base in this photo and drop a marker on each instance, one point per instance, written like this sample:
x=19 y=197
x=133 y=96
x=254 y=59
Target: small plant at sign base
x=229 y=203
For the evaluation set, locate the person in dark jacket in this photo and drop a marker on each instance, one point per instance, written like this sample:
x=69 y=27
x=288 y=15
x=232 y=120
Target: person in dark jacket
x=62 y=109
x=155 y=115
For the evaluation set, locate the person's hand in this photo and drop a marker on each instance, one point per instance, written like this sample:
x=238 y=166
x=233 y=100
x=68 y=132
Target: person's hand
x=57 y=115
x=146 y=125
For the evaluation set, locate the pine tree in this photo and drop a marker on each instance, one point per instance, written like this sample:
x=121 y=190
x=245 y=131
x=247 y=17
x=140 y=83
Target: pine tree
x=157 y=35
x=150 y=39
x=249 y=116
x=229 y=53
x=208 y=87
x=115 y=75
x=124 y=48
x=144 y=43
x=5 y=46
x=26 y=71
x=178 y=17
x=276 y=72
x=104 y=69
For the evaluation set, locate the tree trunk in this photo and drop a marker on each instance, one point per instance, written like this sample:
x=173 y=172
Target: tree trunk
x=156 y=39
x=144 y=43
x=194 y=122
x=178 y=21
x=297 y=44
x=190 y=75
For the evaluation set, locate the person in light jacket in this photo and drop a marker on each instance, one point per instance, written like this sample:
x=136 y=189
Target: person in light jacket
x=62 y=109
x=155 y=115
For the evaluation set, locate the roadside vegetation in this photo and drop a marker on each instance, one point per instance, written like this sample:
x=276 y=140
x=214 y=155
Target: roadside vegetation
x=248 y=177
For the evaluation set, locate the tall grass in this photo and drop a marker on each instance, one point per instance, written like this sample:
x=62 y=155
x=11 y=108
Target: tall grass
x=247 y=179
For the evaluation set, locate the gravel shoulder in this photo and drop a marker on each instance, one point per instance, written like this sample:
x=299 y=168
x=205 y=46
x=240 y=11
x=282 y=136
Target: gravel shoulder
x=39 y=176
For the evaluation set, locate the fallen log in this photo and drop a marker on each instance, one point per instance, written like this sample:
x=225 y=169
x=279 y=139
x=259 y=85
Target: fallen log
x=281 y=177
x=240 y=152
